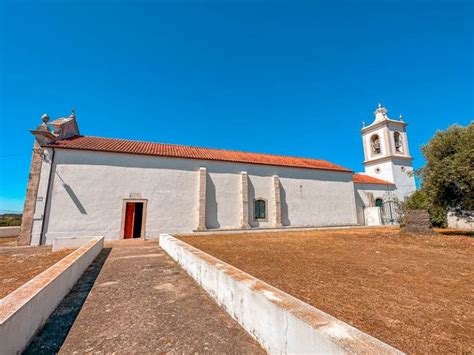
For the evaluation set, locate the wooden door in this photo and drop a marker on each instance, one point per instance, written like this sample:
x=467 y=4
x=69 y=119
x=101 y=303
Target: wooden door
x=129 y=219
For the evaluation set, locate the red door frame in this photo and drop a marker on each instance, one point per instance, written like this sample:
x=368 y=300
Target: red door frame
x=129 y=219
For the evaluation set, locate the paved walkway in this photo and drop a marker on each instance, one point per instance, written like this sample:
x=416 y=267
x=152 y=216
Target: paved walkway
x=143 y=302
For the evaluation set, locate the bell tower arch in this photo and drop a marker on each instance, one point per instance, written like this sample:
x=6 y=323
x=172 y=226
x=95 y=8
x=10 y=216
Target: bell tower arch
x=386 y=153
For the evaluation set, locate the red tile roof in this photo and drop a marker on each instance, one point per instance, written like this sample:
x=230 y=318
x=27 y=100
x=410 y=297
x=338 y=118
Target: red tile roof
x=366 y=179
x=187 y=152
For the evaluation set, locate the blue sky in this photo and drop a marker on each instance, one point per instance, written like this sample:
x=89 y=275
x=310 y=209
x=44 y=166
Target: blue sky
x=294 y=78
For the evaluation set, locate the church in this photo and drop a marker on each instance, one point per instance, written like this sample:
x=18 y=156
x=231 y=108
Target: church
x=87 y=186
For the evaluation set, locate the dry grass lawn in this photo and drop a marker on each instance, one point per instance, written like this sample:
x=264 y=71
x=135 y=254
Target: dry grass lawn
x=414 y=293
x=20 y=264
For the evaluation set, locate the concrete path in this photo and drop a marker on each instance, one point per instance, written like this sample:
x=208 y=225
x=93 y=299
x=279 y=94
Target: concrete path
x=143 y=302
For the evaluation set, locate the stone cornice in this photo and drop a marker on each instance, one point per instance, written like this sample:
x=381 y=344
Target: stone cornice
x=381 y=124
x=388 y=158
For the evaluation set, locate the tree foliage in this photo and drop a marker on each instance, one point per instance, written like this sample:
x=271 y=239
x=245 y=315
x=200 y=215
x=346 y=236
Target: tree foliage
x=10 y=219
x=447 y=179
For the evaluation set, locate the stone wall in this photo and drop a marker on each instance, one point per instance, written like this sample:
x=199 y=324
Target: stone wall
x=31 y=195
x=417 y=222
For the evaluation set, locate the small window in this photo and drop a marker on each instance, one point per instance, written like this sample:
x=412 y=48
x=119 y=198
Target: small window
x=260 y=209
x=378 y=202
x=398 y=142
x=375 y=144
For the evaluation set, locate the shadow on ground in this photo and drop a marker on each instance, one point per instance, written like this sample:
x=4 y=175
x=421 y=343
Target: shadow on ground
x=50 y=338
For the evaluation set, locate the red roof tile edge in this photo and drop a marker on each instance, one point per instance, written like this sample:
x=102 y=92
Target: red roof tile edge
x=189 y=152
x=366 y=179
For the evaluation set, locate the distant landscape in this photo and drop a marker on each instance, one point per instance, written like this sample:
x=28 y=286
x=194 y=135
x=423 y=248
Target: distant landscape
x=10 y=219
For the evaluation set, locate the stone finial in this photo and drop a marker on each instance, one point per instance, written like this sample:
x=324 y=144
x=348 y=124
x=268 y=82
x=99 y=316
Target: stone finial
x=73 y=113
x=44 y=126
x=42 y=133
x=401 y=117
x=363 y=124
x=380 y=113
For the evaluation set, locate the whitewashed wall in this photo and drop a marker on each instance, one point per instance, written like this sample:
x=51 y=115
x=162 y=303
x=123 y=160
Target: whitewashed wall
x=222 y=198
x=88 y=189
x=362 y=197
x=462 y=222
x=393 y=171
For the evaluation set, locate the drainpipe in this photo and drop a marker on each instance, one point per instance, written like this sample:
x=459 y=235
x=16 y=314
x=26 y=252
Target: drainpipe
x=46 y=202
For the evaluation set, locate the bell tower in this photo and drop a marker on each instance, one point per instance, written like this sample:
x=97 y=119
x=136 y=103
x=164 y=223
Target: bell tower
x=386 y=153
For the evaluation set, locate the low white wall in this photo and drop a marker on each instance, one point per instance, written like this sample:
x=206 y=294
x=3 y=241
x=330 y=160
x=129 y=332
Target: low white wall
x=464 y=222
x=70 y=242
x=9 y=232
x=278 y=321
x=373 y=216
x=25 y=310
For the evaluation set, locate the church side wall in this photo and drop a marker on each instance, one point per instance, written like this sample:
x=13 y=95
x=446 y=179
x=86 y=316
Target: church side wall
x=363 y=192
x=88 y=191
x=405 y=183
x=222 y=198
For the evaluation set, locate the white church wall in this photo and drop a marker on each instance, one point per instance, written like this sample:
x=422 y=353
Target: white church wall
x=222 y=199
x=326 y=199
x=373 y=216
x=405 y=183
x=322 y=198
x=363 y=192
x=394 y=170
x=260 y=187
x=88 y=189
x=380 y=170
x=377 y=190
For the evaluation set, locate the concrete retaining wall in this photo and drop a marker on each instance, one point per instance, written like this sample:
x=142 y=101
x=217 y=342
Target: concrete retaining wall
x=9 y=232
x=278 y=321
x=70 y=242
x=25 y=310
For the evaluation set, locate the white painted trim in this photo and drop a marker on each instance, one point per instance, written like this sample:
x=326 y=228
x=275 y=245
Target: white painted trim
x=281 y=323
x=124 y=209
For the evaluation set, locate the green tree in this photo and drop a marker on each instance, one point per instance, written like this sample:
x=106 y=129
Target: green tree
x=447 y=179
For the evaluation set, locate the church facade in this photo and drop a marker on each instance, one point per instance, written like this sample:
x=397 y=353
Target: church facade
x=84 y=186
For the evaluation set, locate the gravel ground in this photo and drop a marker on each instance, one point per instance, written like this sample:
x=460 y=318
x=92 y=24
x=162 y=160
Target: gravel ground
x=412 y=292
x=20 y=264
